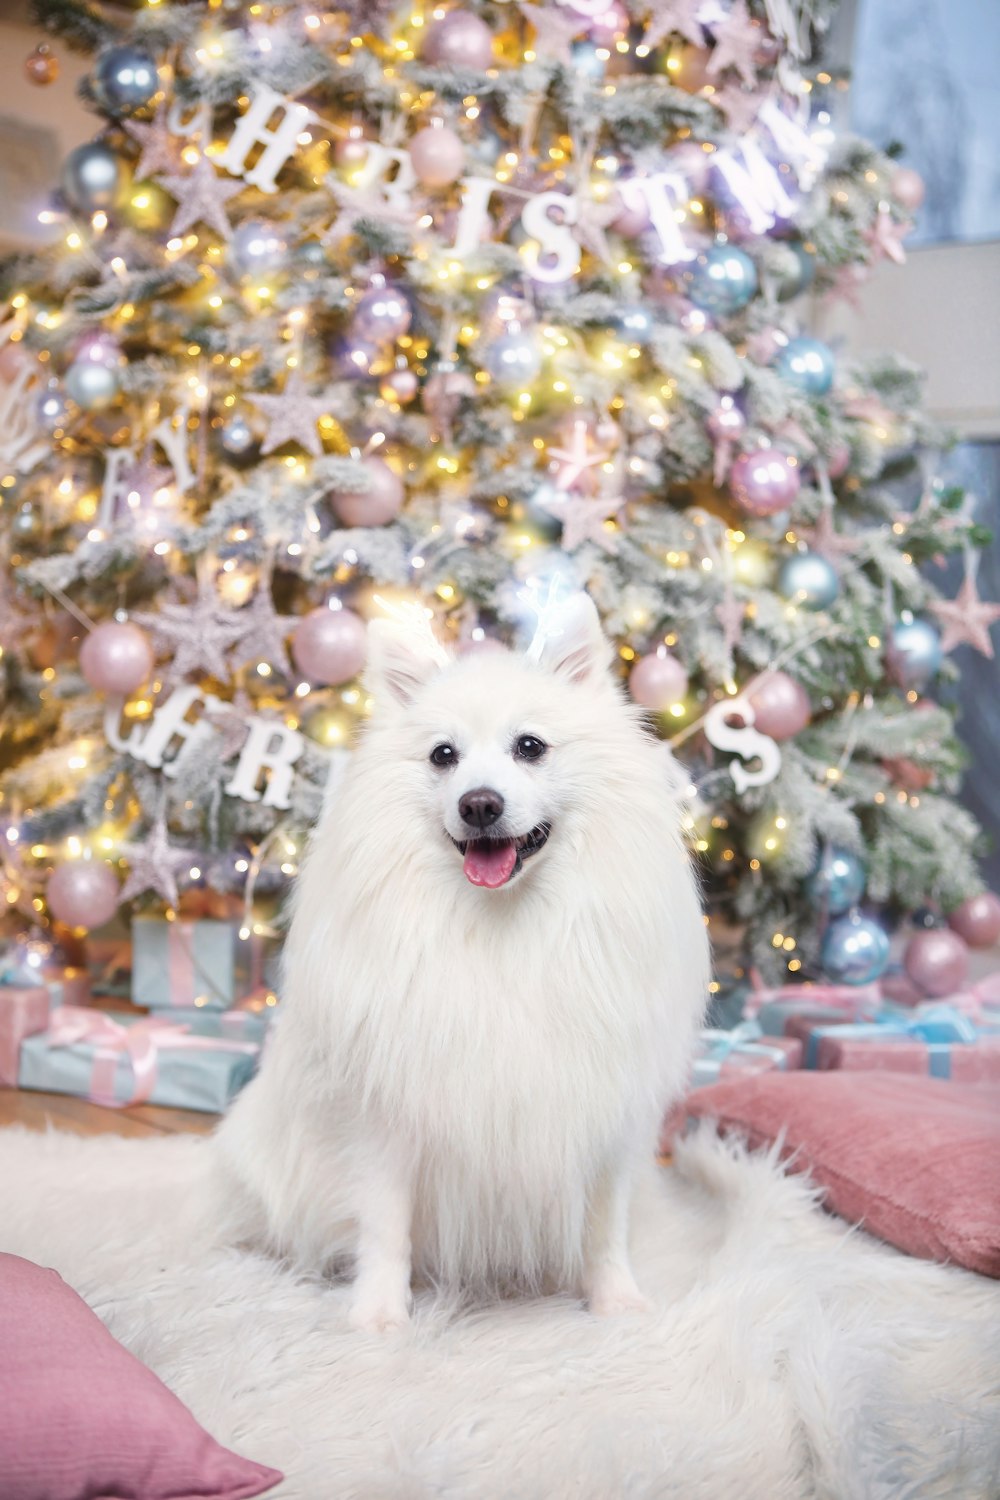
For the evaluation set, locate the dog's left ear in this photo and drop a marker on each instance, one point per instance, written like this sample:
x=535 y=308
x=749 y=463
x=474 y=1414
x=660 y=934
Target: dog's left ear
x=400 y=660
x=577 y=647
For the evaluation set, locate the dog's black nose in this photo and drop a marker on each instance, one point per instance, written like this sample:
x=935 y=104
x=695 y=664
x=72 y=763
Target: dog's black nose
x=481 y=807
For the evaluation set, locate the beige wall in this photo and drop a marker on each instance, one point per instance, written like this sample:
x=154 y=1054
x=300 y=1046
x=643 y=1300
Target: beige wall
x=38 y=126
x=942 y=310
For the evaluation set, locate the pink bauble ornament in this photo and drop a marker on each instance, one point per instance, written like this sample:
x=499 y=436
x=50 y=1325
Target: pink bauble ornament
x=438 y=156
x=780 y=706
x=631 y=212
x=978 y=920
x=98 y=348
x=658 y=680
x=726 y=422
x=764 y=481
x=381 y=502
x=83 y=893
x=399 y=386
x=116 y=658
x=460 y=40
x=351 y=150
x=937 y=962
x=328 y=646
x=907 y=187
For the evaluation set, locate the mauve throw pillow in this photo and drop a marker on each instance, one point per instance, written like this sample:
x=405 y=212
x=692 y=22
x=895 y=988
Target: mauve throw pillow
x=82 y=1419
x=915 y=1160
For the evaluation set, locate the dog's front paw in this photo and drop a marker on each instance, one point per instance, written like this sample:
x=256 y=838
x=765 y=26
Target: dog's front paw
x=612 y=1292
x=372 y=1312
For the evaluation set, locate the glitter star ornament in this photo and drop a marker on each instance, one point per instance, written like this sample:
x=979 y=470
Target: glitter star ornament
x=198 y=634
x=554 y=30
x=292 y=416
x=825 y=539
x=157 y=145
x=264 y=640
x=678 y=16
x=201 y=196
x=577 y=459
x=966 y=619
x=736 y=41
x=231 y=722
x=583 y=520
x=154 y=864
x=886 y=238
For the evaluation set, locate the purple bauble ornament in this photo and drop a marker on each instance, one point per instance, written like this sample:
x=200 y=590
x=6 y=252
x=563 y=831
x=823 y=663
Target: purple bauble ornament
x=460 y=40
x=764 y=481
x=780 y=705
x=726 y=422
x=328 y=646
x=99 y=348
x=399 y=385
x=658 y=680
x=438 y=156
x=381 y=502
x=978 y=920
x=382 y=315
x=937 y=962
x=83 y=893
x=116 y=658
x=907 y=187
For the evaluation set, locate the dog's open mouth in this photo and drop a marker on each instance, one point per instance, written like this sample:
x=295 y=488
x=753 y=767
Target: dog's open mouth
x=492 y=862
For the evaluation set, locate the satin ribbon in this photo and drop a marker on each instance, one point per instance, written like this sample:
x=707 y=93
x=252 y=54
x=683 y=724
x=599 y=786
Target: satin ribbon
x=138 y=1042
x=847 y=997
x=183 y=972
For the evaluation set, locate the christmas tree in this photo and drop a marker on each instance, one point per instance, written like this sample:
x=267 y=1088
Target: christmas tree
x=468 y=307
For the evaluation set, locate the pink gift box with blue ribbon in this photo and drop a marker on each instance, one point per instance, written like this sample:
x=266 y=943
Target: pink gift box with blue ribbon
x=934 y=1038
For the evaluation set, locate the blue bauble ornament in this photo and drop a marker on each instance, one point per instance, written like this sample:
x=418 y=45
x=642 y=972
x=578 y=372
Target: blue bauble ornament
x=125 y=79
x=721 y=280
x=91 y=178
x=587 y=61
x=807 y=579
x=808 y=364
x=92 y=386
x=257 y=248
x=914 y=652
x=838 y=881
x=855 y=950
x=513 y=358
x=636 y=324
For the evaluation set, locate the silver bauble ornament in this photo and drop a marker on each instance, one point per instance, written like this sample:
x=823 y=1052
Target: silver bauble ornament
x=125 y=79
x=52 y=409
x=91 y=385
x=513 y=358
x=236 y=437
x=91 y=178
x=914 y=652
x=382 y=315
x=257 y=248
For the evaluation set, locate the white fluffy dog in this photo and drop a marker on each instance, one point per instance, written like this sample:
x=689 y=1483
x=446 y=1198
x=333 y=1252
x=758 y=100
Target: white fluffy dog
x=494 y=976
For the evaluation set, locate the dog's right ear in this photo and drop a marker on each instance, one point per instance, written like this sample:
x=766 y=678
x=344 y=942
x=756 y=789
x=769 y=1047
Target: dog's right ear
x=574 y=644
x=400 y=660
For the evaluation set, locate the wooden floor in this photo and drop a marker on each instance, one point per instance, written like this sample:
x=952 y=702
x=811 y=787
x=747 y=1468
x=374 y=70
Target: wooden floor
x=63 y=1112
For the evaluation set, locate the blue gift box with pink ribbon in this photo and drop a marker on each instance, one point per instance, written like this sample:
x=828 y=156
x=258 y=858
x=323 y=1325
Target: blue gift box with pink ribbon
x=201 y=963
x=118 y=1061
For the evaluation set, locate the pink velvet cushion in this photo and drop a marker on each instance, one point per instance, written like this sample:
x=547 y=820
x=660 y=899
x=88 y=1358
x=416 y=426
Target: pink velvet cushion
x=916 y=1160
x=82 y=1419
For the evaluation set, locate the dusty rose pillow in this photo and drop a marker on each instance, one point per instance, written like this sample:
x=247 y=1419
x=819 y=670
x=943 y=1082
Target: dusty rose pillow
x=82 y=1419
x=915 y=1160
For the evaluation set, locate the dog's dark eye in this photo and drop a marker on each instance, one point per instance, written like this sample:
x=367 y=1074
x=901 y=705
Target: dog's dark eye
x=444 y=755
x=530 y=747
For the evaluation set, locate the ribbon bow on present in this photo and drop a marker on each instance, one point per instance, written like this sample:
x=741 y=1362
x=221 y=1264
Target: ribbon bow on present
x=846 y=997
x=747 y=1040
x=138 y=1042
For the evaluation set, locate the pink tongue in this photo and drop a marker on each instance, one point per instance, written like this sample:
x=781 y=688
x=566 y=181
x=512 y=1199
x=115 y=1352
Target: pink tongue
x=490 y=863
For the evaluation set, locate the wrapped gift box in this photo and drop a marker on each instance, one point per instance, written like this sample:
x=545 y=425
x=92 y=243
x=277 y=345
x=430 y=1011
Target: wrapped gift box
x=190 y=963
x=743 y=1050
x=933 y=1038
x=243 y=1024
x=120 y=1060
x=24 y=1010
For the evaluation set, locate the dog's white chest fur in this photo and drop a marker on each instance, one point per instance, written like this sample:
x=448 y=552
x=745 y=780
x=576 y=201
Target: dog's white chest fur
x=466 y=1080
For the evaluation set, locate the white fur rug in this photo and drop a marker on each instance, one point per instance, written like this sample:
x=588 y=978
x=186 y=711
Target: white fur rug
x=784 y=1358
